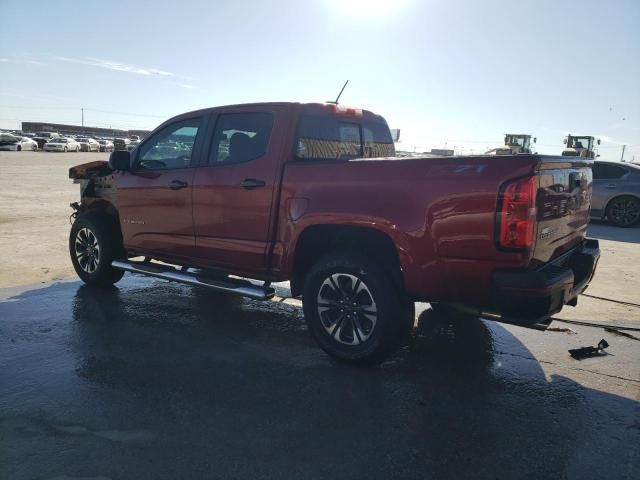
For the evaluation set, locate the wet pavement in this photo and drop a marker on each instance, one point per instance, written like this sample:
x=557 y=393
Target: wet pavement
x=158 y=380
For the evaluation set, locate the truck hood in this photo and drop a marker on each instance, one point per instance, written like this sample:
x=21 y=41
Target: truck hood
x=90 y=170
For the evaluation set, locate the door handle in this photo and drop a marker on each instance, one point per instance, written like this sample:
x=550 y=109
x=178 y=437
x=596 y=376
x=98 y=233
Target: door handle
x=177 y=184
x=612 y=185
x=250 y=183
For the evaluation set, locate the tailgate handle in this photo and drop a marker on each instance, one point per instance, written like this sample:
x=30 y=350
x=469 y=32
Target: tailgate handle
x=612 y=185
x=177 y=184
x=250 y=183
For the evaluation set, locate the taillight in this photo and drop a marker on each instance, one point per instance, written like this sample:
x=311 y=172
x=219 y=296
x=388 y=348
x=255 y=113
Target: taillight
x=517 y=213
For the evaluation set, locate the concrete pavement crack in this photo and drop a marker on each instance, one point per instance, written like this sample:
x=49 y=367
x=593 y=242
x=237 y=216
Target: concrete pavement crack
x=546 y=362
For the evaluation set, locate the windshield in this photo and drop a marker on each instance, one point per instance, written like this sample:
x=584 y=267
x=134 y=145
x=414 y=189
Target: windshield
x=579 y=142
x=517 y=141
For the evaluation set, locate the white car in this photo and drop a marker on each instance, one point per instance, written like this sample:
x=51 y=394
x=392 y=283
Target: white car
x=62 y=144
x=88 y=144
x=16 y=144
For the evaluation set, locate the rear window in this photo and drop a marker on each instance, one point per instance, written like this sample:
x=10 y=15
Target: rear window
x=325 y=137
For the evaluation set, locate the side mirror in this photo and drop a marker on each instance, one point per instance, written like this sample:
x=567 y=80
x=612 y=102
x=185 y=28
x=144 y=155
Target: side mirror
x=598 y=141
x=120 y=160
x=535 y=140
x=564 y=141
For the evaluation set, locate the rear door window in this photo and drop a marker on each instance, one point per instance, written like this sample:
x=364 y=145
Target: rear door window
x=240 y=137
x=602 y=171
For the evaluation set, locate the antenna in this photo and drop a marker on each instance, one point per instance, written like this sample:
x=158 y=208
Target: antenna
x=340 y=94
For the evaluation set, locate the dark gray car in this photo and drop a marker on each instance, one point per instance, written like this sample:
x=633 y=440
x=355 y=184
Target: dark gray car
x=616 y=193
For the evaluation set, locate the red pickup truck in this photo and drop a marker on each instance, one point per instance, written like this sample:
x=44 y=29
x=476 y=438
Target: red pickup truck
x=312 y=193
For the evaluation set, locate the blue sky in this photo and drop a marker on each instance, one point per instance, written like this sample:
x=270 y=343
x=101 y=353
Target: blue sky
x=456 y=72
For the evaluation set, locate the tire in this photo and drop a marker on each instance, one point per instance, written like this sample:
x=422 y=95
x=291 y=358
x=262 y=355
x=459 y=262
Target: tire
x=93 y=243
x=77 y=149
x=624 y=211
x=18 y=148
x=35 y=148
x=362 y=328
x=65 y=149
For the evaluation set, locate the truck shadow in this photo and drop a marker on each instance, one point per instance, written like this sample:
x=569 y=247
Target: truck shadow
x=239 y=384
x=605 y=231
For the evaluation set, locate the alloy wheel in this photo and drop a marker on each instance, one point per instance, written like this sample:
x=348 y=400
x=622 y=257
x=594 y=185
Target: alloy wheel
x=87 y=250
x=625 y=211
x=347 y=309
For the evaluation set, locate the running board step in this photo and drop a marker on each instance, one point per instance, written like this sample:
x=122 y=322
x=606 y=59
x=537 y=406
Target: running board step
x=166 y=272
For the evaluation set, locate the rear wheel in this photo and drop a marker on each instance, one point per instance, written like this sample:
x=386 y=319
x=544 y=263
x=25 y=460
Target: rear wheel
x=624 y=211
x=65 y=149
x=18 y=148
x=93 y=244
x=353 y=309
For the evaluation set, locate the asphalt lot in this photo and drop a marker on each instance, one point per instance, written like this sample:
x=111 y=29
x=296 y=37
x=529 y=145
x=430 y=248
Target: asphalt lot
x=158 y=380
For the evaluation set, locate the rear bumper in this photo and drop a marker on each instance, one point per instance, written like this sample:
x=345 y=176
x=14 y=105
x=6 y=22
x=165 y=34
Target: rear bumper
x=533 y=296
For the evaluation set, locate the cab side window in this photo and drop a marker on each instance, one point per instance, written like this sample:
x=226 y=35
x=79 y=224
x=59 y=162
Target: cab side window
x=170 y=148
x=240 y=137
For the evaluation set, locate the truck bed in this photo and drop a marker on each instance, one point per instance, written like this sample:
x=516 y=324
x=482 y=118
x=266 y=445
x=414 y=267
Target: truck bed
x=441 y=212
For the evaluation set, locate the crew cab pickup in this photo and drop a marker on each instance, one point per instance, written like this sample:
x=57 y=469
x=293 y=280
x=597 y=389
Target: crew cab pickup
x=236 y=197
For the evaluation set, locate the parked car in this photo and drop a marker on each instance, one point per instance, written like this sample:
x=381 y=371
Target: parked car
x=106 y=145
x=132 y=145
x=62 y=144
x=16 y=143
x=43 y=137
x=121 y=143
x=616 y=193
x=285 y=191
x=88 y=144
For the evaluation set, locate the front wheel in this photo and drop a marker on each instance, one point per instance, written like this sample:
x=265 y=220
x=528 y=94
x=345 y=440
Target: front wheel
x=353 y=309
x=93 y=244
x=624 y=211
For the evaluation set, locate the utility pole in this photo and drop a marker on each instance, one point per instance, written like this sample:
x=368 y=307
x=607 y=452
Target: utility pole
x=82 y=110
x=622 y=156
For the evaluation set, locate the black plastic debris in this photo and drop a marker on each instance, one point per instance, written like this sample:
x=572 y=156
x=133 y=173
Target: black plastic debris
x=586 y=352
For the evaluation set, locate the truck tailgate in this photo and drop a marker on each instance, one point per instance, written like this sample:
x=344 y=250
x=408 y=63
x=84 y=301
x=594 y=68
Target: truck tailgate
x=563 y=206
